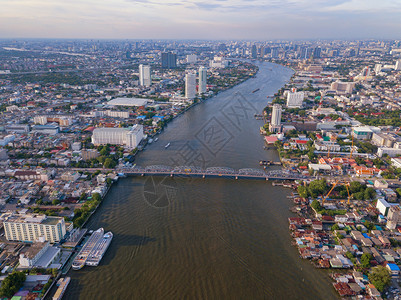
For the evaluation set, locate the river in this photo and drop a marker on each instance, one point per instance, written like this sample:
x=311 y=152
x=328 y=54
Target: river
x=180 y=238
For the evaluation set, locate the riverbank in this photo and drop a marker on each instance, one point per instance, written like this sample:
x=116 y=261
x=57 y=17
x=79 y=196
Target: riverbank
x=219 y=238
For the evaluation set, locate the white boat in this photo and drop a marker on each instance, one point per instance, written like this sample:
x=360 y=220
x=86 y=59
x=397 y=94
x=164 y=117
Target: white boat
x=156 y=139
x=168 y=145
x=80 y=259
x=62 y=288
x=150 y=141
x=98 y=251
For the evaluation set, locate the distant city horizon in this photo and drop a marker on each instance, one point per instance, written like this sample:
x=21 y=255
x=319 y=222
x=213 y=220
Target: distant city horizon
x=193 y=19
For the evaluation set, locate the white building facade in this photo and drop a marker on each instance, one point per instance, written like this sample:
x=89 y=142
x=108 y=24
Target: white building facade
x=144 y=75
x=129 y=137
x=202 y=80
x=190 y=85
x=275 y=124
x=295 y=99
x=29 y=228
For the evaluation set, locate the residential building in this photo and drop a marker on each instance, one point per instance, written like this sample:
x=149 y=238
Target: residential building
x=169 y=60
x=129 y=137
x=275 y=124
x=295 y=99
x=31 y=227
x=145 y=75
x=343 y=87
x=202 y=80
x=190 y=85
x=192 y=58
x=394 y=217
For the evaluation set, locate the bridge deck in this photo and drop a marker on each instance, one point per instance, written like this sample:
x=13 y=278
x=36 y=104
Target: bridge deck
x=213 y=172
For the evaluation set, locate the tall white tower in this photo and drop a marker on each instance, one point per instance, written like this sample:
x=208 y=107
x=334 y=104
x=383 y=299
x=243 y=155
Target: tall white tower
x=202 y=80
x=144 y=75
x=398 y=65
x=275 y=124
x=190 y=85
x=276 y=115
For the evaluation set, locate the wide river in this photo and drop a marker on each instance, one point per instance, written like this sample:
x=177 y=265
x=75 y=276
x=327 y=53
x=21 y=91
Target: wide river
x=181 y=238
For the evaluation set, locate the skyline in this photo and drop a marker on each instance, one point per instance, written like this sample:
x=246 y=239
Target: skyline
x=193 y=19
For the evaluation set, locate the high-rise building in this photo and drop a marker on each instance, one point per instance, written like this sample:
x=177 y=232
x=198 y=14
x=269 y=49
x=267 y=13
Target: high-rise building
x=29 y=228
x=190 y=85
x=275 y=123
x=295 y=99
x=274 y=52
x=144 y=75
x=254 y=51
x=317 y=52
x=398 y=65
x=202 y=80
x=169 y=60
x=192 y=58
x=129 y=137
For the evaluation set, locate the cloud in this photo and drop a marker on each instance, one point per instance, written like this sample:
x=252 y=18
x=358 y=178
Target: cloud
x=217 y=19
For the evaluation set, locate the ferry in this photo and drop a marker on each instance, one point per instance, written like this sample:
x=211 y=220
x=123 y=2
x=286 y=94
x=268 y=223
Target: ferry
x=63 y=284
x=80 y=259
x=168 y=145
x=98 y=251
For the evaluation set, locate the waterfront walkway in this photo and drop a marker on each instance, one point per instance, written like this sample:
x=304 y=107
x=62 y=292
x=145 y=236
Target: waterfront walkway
x=211 y=172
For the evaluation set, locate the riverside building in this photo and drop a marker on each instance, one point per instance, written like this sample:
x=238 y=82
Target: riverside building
x=129 y=137
x=202 y=80
x=29 y=228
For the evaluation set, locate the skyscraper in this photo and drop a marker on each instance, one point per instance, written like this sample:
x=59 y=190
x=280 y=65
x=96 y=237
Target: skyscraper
x=190 y=85
x=254 y=51
x=275 y=123
x=317 y=52
x=144 y=75
x=397 y=66
x=202 y=80
x=169 y=60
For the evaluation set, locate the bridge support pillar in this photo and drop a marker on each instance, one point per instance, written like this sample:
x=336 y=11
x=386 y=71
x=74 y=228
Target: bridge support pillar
x=267 y=178
x=142 y=175
x=236 y=177
x=203 y=176
x=171 y=175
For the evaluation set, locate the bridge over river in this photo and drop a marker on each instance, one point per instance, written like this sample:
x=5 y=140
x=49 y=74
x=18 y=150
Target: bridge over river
x=211 y=172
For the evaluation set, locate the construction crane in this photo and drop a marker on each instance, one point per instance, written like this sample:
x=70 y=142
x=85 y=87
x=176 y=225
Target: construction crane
x=349 y=196
x=328 y=194
x=352 y=147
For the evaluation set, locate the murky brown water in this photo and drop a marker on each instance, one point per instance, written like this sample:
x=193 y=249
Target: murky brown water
x=180 y=238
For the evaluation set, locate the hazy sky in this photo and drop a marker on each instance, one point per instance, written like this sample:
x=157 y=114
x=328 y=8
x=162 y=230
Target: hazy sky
x=206 y=19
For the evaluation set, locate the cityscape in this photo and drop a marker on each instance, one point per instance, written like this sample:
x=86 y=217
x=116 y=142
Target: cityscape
x=239 y=165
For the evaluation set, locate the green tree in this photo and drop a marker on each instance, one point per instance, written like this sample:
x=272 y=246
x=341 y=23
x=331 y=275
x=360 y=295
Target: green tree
x=380 y=277
x=335 y=227
x=12 y=283
x=365 y=260
x=109 y=163
x=302 y=191
x=316 y=205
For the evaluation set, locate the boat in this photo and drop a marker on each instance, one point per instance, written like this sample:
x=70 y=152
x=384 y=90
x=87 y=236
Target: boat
x=150 y=141
x=98 y=251
x=80 y=259
x=63 y=284
x=168 y=145
x=156 y=139
x=255 y=90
